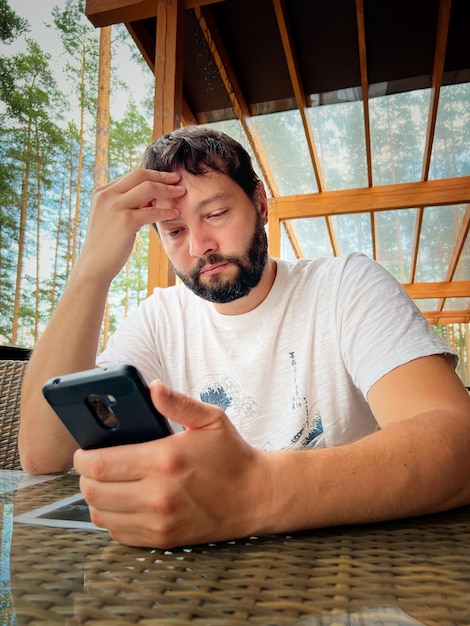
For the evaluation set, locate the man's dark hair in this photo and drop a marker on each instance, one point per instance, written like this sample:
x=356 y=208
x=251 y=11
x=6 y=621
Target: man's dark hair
x=199 y=150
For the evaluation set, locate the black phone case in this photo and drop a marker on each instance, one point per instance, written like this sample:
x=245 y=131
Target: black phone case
x=138 y=419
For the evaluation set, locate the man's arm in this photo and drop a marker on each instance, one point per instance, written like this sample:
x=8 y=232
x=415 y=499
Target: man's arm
x=70 y=341
x=207 y=484
x=418 y=463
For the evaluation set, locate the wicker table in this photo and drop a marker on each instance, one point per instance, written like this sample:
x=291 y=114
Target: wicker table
x=408 y=572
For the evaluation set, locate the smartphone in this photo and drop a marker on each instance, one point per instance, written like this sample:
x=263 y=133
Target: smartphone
x=107 y=406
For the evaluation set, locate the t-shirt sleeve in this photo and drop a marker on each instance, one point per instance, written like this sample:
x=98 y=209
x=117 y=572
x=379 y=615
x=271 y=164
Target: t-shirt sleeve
x=379 y=326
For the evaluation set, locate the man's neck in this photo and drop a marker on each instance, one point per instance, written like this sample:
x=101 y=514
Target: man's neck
x=256 y=295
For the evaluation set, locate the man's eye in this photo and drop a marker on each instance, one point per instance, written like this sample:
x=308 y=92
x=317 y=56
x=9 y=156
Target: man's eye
x=217 y=214
x=173 y=233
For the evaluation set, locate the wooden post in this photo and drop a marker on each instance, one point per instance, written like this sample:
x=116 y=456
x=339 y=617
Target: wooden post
x=167 y=112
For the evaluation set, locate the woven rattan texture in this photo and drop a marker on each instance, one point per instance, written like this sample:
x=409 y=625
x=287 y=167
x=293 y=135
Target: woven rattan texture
x=11 y=379
x=421 y=566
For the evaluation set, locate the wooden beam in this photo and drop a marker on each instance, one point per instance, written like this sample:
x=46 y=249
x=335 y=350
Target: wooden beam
x=274 y=232
x=144 y=42
x=457 y=251
x=169 y=67
x=459 y=244
x=447 y=317
x=167 y=112
x=452 y=289
x=299 y=92
x=373 y=232
x=297 y=86
x=237 y=99
x=361 y=32
x=107 y=12
x=378 y=198
x=436 y=82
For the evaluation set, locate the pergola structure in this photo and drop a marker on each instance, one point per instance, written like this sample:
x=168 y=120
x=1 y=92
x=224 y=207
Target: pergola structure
x=250 y=60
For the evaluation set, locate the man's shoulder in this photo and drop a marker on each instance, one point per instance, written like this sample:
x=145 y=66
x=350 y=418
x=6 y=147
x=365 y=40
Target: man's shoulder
x=322 y=266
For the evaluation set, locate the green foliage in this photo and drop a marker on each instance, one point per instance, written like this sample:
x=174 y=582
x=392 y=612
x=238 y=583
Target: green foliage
x=11 y=25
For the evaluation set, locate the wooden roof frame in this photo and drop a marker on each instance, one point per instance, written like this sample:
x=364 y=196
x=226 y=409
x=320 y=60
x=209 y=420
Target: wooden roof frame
x=171 y=110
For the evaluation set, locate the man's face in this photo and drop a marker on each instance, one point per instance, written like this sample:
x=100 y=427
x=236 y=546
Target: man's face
x=218 y=246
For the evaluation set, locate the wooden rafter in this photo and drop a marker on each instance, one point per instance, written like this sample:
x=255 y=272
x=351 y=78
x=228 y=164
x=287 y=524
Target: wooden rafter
x=301 y=100
x=459 y=244
x=448 y=289
x=361 y=36
x=377 y=198
x=222 y=62
x=457 y=252
x=447 y=317
x=299 y=93
x=436 y=82
x=361 y=33
x=107 y=12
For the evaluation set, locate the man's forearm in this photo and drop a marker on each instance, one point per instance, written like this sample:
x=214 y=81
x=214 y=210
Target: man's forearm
x=69 y=344
x=410 y=468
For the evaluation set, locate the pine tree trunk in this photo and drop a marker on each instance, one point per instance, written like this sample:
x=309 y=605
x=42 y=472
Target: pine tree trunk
x=78 y=191
x=38 y=240
x=21 y=244
x=101 y=173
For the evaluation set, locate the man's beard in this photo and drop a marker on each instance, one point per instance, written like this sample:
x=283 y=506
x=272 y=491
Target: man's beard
x=250 y=269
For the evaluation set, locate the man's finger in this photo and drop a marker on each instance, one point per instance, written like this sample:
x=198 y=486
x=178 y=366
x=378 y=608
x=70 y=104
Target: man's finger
x=185 y=410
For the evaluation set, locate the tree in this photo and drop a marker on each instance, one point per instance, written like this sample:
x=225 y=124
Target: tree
x=11 y=25
x=128 y=138
x=81 y=45
x=102 y=130
x=30 y=134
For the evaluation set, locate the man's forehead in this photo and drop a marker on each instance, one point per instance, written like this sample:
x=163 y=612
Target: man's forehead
x=200 y=203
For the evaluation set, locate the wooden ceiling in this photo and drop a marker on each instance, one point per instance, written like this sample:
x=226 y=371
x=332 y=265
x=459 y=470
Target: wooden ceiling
x=238 y=59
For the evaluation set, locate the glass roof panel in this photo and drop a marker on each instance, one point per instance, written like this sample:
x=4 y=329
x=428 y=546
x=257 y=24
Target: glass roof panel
x=353 y=233
x=398 y=129
x=287 y=250
x=234 y=129
x=283 y=139
x=394 y=239
x=438 y=234
x=451 y=148
x=313 y=238
x=339 y=139
x=463 y=266
x=427 y=304
x=457 y=304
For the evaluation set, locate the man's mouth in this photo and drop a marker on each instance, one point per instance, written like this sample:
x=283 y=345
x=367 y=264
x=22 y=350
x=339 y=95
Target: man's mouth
x=214 y=268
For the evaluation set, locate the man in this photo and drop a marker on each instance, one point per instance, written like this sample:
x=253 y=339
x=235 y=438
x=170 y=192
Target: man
x=310 y=394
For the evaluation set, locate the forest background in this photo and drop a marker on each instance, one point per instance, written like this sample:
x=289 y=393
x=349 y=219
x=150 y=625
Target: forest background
x=76 y=110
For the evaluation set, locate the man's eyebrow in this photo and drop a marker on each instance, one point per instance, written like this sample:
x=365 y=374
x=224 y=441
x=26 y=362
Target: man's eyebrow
x=221 y=195
x=202 y=204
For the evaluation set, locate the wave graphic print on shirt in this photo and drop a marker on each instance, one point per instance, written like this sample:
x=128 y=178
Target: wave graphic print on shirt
x=226 y=393
x=312 y=428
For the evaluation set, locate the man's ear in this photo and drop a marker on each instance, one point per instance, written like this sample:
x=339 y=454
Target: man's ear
x=261 y=201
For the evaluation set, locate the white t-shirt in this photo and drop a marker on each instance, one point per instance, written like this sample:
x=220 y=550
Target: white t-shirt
x=295 y=371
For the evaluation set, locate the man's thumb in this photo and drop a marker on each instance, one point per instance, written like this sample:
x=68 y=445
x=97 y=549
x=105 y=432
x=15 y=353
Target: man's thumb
x=185 y=410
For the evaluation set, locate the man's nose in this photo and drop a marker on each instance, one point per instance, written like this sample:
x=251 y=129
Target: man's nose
x=201 y=243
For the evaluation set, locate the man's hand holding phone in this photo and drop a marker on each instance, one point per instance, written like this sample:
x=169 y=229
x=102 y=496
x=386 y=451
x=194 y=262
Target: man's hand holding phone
x=202 y=484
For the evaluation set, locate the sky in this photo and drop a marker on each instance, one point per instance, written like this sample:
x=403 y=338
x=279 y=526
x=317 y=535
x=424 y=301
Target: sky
x=38 y=13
